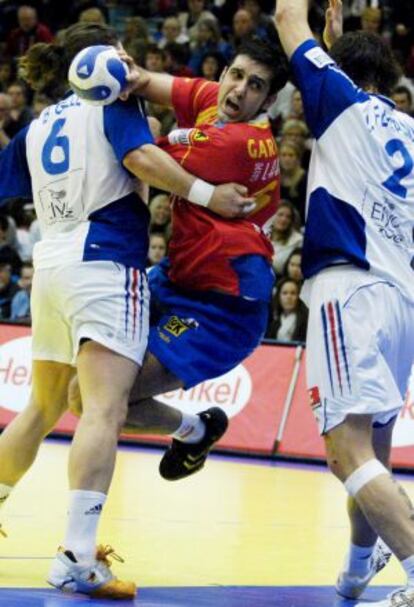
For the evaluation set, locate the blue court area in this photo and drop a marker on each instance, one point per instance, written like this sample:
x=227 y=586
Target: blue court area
x=230 y=596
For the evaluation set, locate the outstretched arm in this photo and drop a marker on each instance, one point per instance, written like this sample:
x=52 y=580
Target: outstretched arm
x=152 y=86
x=291 y=20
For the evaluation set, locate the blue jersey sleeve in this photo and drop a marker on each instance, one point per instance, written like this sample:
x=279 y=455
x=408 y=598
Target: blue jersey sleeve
x=326 y=90
x=126 y=126
x=14 y=170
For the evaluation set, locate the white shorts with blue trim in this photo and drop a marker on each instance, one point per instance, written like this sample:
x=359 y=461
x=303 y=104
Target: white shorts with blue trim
x=360 y=346
x=99 y=300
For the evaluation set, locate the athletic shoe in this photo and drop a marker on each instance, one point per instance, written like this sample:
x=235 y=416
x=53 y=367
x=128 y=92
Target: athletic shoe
x=95 y=580
x=183 y=459
x=352 y=586
x=404 y=597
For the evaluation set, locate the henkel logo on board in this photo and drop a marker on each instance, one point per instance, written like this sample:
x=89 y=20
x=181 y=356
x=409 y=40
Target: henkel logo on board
x=231 y=392
x=15 y=373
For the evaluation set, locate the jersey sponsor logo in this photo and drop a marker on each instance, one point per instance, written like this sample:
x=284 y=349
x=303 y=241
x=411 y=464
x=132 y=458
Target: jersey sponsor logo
x=177 y=326
x=318 y=57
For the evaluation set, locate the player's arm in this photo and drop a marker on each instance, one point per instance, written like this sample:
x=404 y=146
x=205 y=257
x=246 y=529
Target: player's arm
x=334 y=23
x=14 y=170
x=154 y=166
x=291 y=20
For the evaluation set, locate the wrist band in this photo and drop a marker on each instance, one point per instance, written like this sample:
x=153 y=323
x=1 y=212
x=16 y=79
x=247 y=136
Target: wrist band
x=200 y=192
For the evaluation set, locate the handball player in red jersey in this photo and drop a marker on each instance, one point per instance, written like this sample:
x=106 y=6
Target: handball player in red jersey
x=210 y=297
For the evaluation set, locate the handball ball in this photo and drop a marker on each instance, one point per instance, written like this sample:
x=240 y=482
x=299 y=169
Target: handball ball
x=97 y=75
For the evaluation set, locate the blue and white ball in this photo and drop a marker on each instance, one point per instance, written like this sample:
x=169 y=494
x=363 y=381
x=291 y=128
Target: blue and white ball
x=97 y=75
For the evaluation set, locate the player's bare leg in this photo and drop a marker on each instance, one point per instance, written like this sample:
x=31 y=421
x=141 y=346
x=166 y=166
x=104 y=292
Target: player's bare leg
x=105 y=380
x=365 y=556
x=382 y=500
x=20 y=441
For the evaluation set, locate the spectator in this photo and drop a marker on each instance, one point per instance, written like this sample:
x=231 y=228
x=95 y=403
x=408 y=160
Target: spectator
x=160 y=210
x=212 y=66
x=136 y=38
x=176 y=58
x=208 y=41
x=293 y=177
x=189 y=19
x=285 y=236
x=403 y=99
x=296 y=131
x=171 y=32
x=92 y=15
x=293 y=266
x=157 y=248
x=154 y=59
x=28 y=32
x=296 y=106
x=8 y=290
x=289 y=314
x=20 y=113
x=20 y=304
x=7 y=74
x=371 y=20
x=243 y=27
x=8 y=254
x=264 y=26
x=6 y=133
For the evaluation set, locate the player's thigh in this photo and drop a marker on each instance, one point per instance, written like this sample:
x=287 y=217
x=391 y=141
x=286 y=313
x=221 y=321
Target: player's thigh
x=153 y=379
x=105 y=380
x=347 y=372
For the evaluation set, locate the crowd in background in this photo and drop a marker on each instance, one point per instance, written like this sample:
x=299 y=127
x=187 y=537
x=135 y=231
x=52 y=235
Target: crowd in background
x=184 y=38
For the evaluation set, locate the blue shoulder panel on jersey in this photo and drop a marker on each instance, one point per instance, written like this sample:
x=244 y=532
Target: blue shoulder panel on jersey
x=14 y=170
x=126 y=126
x=335 y=233
x=326 y=90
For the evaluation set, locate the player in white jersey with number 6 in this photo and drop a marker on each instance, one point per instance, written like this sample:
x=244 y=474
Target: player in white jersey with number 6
x=90 y=295
x=359 y=268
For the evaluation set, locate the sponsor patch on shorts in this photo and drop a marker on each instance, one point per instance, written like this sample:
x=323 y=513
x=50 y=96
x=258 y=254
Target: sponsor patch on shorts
x=314 y=397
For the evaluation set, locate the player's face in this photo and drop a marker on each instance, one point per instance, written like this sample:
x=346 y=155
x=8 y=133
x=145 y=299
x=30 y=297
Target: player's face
x=244 y=90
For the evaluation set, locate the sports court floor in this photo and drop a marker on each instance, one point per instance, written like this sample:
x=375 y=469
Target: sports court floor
x=242 y=533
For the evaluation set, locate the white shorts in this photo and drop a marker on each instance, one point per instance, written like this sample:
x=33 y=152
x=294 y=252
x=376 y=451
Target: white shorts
x=360 y=346
x=99 y=300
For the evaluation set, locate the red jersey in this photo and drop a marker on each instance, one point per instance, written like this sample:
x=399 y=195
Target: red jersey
x=208 y=252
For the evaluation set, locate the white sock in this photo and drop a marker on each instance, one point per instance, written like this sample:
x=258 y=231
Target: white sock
x=357 y=561
x=85 y=508
x=191 y=430
x=408 y=565
x=5 y=491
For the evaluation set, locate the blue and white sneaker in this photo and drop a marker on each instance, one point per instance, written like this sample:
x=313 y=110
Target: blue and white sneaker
x=352 y=586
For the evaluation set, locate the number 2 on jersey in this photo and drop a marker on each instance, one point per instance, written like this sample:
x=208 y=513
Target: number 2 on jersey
x=393 y=183
x=56 y=142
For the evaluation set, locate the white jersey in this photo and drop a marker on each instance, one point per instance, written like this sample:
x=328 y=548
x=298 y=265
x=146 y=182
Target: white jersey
x=70 y=161
x=360 y=207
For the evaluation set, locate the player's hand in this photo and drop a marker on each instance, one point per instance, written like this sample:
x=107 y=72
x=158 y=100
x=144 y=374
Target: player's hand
x=230 y=200
x=137 y=78
x=333 y=23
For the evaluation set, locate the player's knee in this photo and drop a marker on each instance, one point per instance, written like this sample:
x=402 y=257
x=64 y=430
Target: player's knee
x=110 y=414
x=363 y=475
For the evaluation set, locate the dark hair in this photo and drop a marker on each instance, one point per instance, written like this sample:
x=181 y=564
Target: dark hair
x=301 y=312
x=297 y=251
x=403 y=90
x=45 y=66
x=368 y=60
x=4 y=223
x=271 y=56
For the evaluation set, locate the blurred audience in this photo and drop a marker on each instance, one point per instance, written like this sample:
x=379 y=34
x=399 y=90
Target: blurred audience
x=289 y=316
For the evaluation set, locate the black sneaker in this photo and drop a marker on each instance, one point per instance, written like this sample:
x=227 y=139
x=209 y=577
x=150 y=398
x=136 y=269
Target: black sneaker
x=183 y=459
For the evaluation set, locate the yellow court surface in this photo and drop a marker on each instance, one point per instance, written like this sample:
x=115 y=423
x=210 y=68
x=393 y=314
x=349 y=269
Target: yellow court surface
x=250 y=531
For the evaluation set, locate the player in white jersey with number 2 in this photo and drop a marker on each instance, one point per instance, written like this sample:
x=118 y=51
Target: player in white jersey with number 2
x=359 y=269
x=90 y=296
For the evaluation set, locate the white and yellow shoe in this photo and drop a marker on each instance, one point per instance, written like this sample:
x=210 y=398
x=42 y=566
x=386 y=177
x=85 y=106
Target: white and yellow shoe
x=94 y=579
x=403 y=597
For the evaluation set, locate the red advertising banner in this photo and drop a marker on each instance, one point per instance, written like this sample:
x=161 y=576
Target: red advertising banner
x=265 y=399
